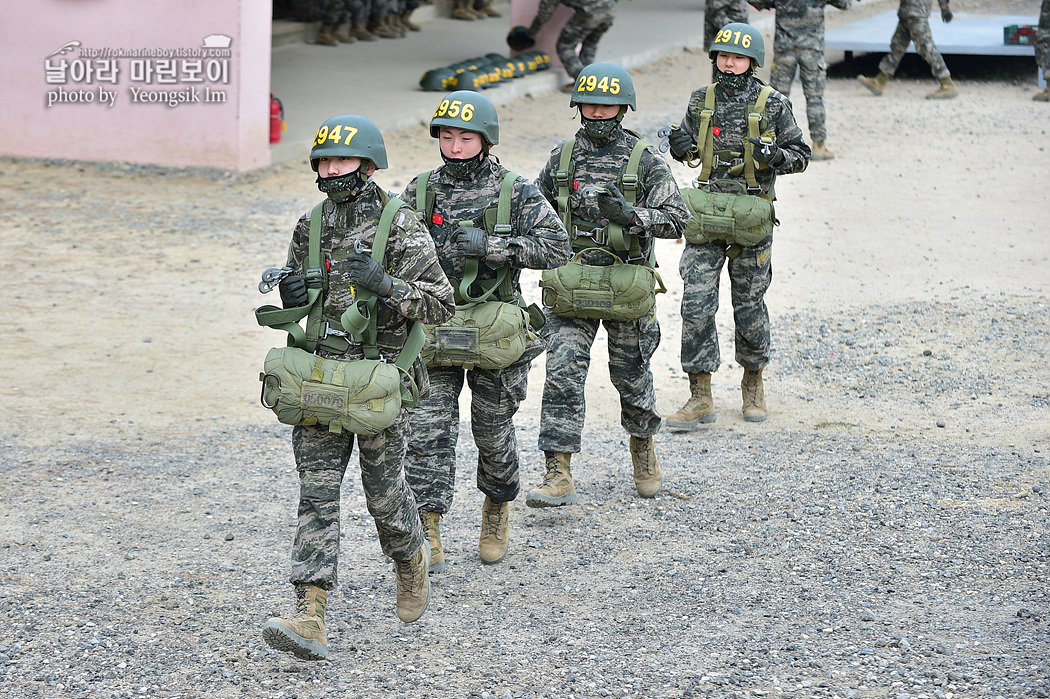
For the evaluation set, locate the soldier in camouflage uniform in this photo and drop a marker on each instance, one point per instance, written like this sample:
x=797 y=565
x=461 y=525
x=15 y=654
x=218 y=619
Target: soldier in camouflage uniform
x=750 y=268
x=719 y=13
x=589 y=22
x=600 y=155
x=1042 y=49
x=332 y=14
x=360 y=14
x=799 y=42
x=411 y=288
x=469 y=182
x=913 y=25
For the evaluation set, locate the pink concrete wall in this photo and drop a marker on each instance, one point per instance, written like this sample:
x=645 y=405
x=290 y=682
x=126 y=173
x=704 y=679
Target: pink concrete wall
x=524 y=11
x=107 y=121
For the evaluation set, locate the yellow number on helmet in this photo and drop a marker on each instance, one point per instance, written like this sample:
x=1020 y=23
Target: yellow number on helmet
x=603 y=84
x=468 y=112
x=322 y=134
x=337 y=132
x=350 y=133
x=746 y=43
x=442 y=108
x=592 y=82
x=614 y=86
x=453 y=109
x=736 y=38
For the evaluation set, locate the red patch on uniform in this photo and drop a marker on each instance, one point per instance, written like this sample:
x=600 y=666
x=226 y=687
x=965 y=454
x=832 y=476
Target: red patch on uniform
x=716 y=131
x=575 y=185
x=437 y=219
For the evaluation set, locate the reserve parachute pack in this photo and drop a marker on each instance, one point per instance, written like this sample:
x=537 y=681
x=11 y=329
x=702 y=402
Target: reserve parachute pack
x=490 y=329
x=596 y=283
x=739 y=219
x=363 y=396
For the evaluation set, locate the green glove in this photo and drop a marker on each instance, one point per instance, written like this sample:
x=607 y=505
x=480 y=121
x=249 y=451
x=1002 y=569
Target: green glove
x=470 y=241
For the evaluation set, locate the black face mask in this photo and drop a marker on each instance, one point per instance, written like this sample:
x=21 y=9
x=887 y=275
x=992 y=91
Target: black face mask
x=343 y=187
x=731 y=82
x=599 y=129
x=464 y=168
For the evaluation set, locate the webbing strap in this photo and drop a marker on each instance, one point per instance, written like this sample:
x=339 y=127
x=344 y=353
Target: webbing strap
x=707 y=139
x=502 y=285
x=630 y=183
x=754 y=119
x=421 y=193
x=706 y=146
x=563 y=178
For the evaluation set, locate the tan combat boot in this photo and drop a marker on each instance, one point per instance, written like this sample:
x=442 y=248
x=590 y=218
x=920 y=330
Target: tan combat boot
x=393 y=23
x=303 y=635
x=488 y=10
x=876 y=84
x=699 y=408
x=359 y=30
x=492 y=545
x=946 y=91
x=821 y=152
x=413 y=585
x=754 y=396
x=1043 y=96
x=325 y=36
x=407 y=23
x=342 y=34
x=378 y=27
x=460 y=11
x=557 y=488
x=647 y=476
x=431 y=522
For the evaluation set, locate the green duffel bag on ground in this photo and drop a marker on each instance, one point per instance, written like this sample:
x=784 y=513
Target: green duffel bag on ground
x=487 y=335
x=364 y=396
x=616 y=291
x=730 y=217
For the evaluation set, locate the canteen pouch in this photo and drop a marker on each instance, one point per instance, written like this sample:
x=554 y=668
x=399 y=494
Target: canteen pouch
x=487 y=335
x=363 y=396
x=729 y=217
x=616 y=291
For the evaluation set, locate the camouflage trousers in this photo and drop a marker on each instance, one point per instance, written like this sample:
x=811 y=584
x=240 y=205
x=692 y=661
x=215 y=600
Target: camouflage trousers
x=321 y=459
x=327 y=12
x=584 y=29
x=719 y=13
x=1042 y=40
x=813 y=71
x=632 y=344
x=913 y=29
x=430 y=464
x=750 y=274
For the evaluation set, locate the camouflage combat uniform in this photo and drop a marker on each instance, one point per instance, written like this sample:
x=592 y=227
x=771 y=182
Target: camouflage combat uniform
x=799 y=42
x=751 y=271
x=719 y=13
x=913 y=25
x=537 y=241
x=1042 y=40
x=421 y=292
x=590 y=21
x=327 y=12
x=661 y=213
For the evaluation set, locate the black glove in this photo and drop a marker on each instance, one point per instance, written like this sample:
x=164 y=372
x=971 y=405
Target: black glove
x=470 y=241
x=614 y=207
x=679 y=141
x=365 y=272
x=769 y=153
x=293 y=291
x=946 y=15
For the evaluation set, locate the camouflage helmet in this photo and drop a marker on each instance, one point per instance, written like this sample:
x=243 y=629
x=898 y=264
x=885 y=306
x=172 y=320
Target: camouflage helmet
x=468 y=110
x=741 y=39
x=348 y=136
x=438 y=79
x=603 y=83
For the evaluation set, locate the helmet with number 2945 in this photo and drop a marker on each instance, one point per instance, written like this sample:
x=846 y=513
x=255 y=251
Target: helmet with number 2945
x=741 y=39
x=603 y=83
x=348 y=136
x=464 y=109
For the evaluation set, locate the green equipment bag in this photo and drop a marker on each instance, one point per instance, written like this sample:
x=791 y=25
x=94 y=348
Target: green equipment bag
x=735 y=218
x=364 y=396
x=617 y=291
x=483 y=334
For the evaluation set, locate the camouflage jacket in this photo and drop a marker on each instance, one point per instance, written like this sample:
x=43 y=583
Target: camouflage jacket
x=919 y=8
x=659 y=209
x=537 y=239
x=800 y=23
x=547 y=7
x=730 y=120
x=421 y=291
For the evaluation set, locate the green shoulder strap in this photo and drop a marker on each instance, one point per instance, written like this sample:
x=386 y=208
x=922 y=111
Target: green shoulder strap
x=706 y=146
x=287 y=319
x=502 y=284
x=563 y=178
x=754 y=118
x=630 y=184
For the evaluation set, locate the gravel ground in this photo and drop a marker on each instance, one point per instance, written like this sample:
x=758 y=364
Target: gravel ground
x=883 y=534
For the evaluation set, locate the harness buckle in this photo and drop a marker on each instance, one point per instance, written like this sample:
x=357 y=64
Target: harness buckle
x=502 y=229
x=599 y=235
x=314 y=276
x=754 y=191
x=561 y=177
x=629 y=182
x=329 y=331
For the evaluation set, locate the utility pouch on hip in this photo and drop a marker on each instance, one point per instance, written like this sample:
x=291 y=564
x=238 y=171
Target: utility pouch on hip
x=487 y=335
x=735 y=218
x=615 y=291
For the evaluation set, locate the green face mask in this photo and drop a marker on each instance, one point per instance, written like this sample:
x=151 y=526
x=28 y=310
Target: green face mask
x=463 y=168
x=343 y=187
x=732 y=82
x=599 y=129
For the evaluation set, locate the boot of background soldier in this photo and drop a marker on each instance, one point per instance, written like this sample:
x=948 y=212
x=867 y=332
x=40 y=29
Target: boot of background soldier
x=393 y=23
x=876 y=84
x=407 y=23
x=377 y=25
x=325 y=36
x=487 y=10
x=431 y=522
x=342 y=34
x=821 y=152
x=946 y=91
x=413 y=584
x=472 y=9
x=557 y=488
x=495 y=531
x=359 y=31
x=754 y=397
x=460 y=11
x=1043 y=96
x=647 y=475
x=699 y=408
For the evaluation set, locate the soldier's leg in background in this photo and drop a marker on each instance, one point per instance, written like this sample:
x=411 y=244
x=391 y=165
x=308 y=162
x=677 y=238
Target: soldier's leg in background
x=387 y=495
x=320 y=458
x=563 y=407
x=898 y=45
x=750 y=274
x=589 y=49
x=433 y=430
x=571 y=36
x=632 y=344
x=495 y=398
x=782 y=72
x=813 y=71
x=919 y=27
x=700 y=268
